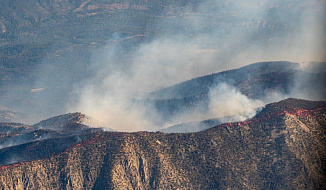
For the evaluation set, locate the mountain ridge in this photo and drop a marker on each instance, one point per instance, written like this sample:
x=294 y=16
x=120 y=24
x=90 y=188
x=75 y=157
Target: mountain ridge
x=255 y=69
x=257 y=81
x=274 y=152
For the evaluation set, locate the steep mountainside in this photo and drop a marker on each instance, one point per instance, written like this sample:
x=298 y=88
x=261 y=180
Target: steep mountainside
x=252 y=76
x=283 y=147
x=256 y=81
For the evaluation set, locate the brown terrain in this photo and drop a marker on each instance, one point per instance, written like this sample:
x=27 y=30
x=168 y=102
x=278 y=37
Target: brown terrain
x=283 y=147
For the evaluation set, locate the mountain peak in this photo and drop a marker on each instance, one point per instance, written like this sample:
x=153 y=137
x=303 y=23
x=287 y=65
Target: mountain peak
x=66 y=122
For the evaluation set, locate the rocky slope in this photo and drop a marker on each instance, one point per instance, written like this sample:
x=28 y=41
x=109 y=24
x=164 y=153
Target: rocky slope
x=280 y=148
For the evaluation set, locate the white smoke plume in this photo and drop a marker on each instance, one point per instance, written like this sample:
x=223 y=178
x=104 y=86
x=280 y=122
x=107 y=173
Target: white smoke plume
x=185 y=42
x=225 y=103
x=226 y=100
x=205 y=44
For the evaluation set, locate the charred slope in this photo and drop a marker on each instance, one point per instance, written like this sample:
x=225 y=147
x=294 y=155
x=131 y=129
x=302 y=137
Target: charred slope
x=283 y=149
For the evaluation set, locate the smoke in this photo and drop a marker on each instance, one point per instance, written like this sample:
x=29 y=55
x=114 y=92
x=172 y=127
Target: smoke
x=114 y=112
x=24 y=137
x=45 y=92
x=225 y=103
x=194 y=41
x=310 y=83
x=225 y=100
x=111 y=84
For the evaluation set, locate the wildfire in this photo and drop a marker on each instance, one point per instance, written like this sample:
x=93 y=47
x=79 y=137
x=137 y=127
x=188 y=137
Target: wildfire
x=295 y=113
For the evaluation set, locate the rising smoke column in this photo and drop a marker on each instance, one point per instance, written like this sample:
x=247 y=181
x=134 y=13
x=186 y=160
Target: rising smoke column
x=187 y=42
x=214 y=36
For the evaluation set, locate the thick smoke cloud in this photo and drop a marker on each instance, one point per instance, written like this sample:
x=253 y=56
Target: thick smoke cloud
x=225 y=103
x=186 y=42
x=211 y=37
x=226 y=100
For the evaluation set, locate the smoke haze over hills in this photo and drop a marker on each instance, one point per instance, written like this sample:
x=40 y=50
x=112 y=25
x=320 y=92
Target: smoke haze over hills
x=162 y=94
x=184 y=42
